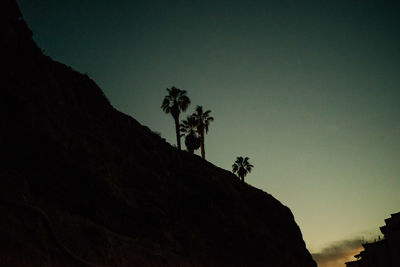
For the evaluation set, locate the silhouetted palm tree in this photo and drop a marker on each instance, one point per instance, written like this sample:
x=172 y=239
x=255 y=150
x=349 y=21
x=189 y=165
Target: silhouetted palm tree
x=203 y=120
x=175 y=102
x=189 y=130
x=242 y=167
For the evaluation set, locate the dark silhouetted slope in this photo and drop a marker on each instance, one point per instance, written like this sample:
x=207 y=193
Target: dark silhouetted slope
x=83 y=184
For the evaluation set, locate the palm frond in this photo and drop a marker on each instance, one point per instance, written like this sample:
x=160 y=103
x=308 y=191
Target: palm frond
x=174 y=92
x=184 y=102
x=165 y=105
x=239 y=160
x=234 y=168
x=199 y=110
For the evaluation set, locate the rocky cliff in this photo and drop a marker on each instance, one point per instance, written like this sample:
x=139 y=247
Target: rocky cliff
x=84 y=184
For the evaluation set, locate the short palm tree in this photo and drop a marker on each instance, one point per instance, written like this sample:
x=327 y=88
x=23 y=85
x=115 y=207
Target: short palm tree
x=175 y=102
x=203 y=120
x=189 y=130
x=242 y=167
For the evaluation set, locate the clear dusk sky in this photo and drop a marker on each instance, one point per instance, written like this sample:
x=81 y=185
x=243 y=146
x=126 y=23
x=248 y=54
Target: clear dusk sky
x=309 y=90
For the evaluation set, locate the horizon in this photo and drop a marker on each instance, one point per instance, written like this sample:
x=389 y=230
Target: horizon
x=310 y=92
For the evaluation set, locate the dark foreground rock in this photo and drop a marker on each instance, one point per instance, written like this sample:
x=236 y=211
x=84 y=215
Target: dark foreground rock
x=82 y=184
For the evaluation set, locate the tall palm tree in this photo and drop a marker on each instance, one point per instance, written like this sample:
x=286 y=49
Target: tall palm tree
x=175 y=102
x=189 y=130
x=203 y=121
x=242 y=167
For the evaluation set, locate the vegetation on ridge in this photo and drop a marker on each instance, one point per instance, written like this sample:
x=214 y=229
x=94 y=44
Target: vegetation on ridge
x=189 y=130
x=203 y=121
x=175 y=102
x=194 y=127
x=242 y=167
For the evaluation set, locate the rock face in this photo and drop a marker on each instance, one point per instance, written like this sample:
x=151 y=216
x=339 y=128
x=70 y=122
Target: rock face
x=83 y=184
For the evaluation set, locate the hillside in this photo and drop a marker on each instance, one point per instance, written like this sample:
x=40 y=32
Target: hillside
x=84 y=184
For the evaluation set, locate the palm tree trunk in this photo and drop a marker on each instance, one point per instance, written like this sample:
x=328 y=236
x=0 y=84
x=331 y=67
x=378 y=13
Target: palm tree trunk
x=203 y=152
x=178 y=133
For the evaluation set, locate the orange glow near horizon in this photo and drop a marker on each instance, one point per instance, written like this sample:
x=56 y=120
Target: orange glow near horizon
x=339 y=259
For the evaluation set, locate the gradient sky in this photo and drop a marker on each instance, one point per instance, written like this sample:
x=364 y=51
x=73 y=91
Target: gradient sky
x=309 y=91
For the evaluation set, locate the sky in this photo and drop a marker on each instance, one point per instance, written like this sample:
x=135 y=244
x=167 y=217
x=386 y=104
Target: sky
x=309 y=90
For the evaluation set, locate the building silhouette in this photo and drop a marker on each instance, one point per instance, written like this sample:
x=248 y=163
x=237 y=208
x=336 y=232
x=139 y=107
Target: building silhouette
x=382 y=252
